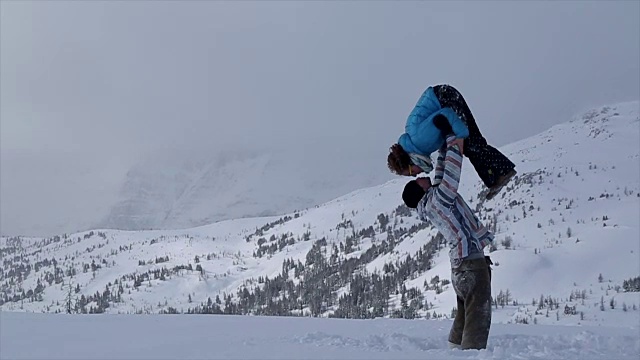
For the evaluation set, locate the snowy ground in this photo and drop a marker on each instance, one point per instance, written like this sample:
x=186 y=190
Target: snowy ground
x=50 y=336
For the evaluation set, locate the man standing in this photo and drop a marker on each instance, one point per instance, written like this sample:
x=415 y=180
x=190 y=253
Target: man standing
x=466 y=236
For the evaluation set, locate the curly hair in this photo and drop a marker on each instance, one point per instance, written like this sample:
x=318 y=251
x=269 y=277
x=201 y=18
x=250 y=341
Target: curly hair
x=398 y=160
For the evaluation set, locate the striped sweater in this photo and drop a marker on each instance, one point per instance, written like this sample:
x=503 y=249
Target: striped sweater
x=447 y=210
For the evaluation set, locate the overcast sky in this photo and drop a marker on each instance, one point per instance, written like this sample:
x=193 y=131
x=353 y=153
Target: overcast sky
x=97 y=84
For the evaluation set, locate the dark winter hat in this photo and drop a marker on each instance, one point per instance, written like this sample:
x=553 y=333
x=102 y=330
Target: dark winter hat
x=412 y=194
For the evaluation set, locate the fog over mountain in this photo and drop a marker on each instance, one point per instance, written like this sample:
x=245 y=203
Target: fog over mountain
x=95 y=94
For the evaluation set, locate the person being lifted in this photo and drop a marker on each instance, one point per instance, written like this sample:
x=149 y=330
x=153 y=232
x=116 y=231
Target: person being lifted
x=441 y=111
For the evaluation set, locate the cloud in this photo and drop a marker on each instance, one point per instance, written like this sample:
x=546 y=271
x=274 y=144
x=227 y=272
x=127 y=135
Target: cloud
x=112 y=82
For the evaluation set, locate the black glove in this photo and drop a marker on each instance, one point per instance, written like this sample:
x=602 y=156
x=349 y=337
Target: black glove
x=441 y=122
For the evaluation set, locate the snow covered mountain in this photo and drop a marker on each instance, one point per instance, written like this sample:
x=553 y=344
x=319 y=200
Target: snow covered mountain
x=168 y=192
x=566 y=252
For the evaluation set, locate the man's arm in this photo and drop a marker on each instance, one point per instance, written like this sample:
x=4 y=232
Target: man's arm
x=447 y=121
x=441 y=122
x=439 y=171
x=448 y=189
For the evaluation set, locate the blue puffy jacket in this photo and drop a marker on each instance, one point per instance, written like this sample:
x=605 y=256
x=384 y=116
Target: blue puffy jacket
x=421 y=135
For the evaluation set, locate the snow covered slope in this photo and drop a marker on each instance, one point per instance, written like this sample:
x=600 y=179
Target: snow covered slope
x=179 y=190
x=567 y=242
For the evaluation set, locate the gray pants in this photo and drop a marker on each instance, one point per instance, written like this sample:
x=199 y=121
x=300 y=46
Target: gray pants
x=472 y=284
